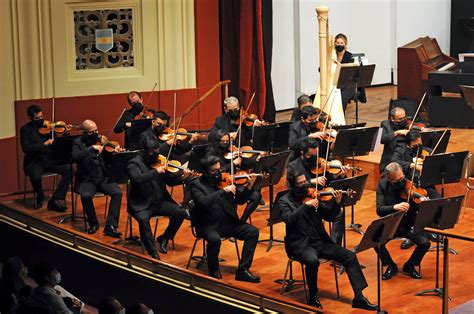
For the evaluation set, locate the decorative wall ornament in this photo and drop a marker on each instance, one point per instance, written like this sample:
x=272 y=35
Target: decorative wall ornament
x=88 y=56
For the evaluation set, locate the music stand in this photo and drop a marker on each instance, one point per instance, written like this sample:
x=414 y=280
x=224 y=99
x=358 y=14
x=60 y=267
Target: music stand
x=275 y=166
x=352 y=143
x=431 y=138
x=197 y=153
x=468 y=93
x=62 y=154
x=353 y=77
x=280 y=137
x=349 y=126
x=263 y=137
x=117 y=173
x=442 y=213
x=379 y=232
x=137 y=128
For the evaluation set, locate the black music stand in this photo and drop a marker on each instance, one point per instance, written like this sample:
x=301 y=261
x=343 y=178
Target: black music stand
x=379 y=232
x=352 y=143
x=431 y=138
x=197 y=153
x=263 y=137
x=62 y=154
x=275 y=166
x=442 y=213
x=280 y=137
x=353 y=77
x=117 y=173
x=137 y=128
x=468 y=93
x=349 y=126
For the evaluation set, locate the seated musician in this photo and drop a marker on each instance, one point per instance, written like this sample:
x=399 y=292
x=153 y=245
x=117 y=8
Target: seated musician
x=393 y=131
x=406 y=152
x=219 y=143
x=230 y=120
x=304 y=128
x=216 y=217
x=303 y=101
x=91 y=177
x=307 y=241
x=307 y=164
x=38 y=159
x=389 y=200
x=148 y=197
x=135 y=101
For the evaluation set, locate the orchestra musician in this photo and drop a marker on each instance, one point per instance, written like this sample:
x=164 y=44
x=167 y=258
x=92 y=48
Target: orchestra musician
x=389 y=200
x=91 y=177
x=406 y=152
x=135 y=102
x=230 y=120
x=216 y=217
x=219 y=144
x=38 y=159
x=148 y=197
x=303 y=101
x=306 y=239
x=394 y=130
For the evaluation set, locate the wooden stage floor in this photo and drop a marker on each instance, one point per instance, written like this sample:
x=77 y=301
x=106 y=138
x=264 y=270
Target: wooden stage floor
x=398 y=294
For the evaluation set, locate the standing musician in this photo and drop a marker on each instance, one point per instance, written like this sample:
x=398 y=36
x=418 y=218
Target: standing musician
x=303 y=101
x=91 y=177
x=219 y=145
x=230 y=120
x=307 y=164
x=135 y=101
x=304 y=128
x=216 y=217
x=306 y=239
x=390 y=190
x=38 y=159
x=149 y=197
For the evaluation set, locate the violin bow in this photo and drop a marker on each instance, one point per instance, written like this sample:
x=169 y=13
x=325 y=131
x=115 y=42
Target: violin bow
x=120 y=116
x=149 y=96
x=52 y=119
x=327 y=153
x=239 y=129
x=325 y=103
x=439 y=141
x=176 y=126
x=413 y=176
x=417 y=110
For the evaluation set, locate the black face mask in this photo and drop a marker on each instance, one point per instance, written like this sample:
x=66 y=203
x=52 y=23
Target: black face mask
x=214 y=177
x=400 y=185
x=137 y=107
x=38 y=123
x=159 y=129
x=339 y=48
x=301 y=191
x=234 y=114
x=311 y=162
x=152 y=157
x=312 y=127
x=90 y=139
x=415 y=149
x=400 y=125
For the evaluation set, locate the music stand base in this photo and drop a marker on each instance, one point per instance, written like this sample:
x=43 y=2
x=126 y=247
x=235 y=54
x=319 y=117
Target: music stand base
x=270 y=242
x=355 y=227
x=68 y=218
x=441 y=247
x=289 y=283
x=438 y=292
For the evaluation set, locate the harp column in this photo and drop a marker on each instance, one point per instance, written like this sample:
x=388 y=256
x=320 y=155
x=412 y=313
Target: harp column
x=322 y=13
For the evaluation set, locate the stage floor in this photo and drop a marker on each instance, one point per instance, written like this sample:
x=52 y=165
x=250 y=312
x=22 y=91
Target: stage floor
x=398 y=294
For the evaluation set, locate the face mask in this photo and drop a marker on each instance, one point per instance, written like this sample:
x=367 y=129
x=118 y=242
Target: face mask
x=302 y=191
x=312 y=126
x=39 y=123
x=400 y=185
x=401 y=125
x=91 y=139
x=311 y=162
x=56 y=278
x=215 y=177
x=415 y=149
x=223 y=147
x=153 y=157
x=137 y=107
x=234 y=114
x=151 y=312
x=122 y=310
x=159 y=129
x=339 y=48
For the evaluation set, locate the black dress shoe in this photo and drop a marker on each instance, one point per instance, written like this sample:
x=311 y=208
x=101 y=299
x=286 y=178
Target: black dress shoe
x=411 y=271
x=56 y=206
x=406 y=244
x=38 y=202
x=93 y=229
x=363 y=304
x=390 y=272
x=314 y=301
x=112 y=231
x=162 y=244
x=262 y=202
x=245 y=275
x=155 y=255
x=215 y=274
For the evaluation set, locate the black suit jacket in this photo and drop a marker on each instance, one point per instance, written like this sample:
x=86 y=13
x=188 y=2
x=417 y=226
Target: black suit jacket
x=223 y=122
x=214 y=207
x=404 y=156
x=303 y=222
x=296 y=115
x=298 y=132
x=32 y=144
x=390 y=141
x=86 y=158
x=145 y=182
x=128 y=116
x=179 y=150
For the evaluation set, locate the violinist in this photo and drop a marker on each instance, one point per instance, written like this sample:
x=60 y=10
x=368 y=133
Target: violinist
x=219 y=144
x=38 y=159
x=306 y=127
x=215 y=216
x=230 y=120
x=149 y=197
x=91 y=177
x=135 y=102
x=307 y=164
x=389 y=200
x=303 y=101
x=405 y=154
x=307 y=241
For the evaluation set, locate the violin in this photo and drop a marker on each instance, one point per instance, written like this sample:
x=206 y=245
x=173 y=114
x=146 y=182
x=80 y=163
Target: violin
x=334 y=167
x=59 y=127
x=109 y=146
x=245 y=152
x=146 y=113
x=325 y=194
x=181 y=134
x=421 y=157
x=240 y=178
x=247 y=118
x=415 y=193
x=172 y=166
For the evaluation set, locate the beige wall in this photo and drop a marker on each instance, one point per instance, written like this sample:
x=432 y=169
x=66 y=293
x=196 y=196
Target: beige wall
x=38 y=52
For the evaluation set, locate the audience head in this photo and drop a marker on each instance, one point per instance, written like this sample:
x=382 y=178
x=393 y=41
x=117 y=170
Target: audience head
x=14 y=274
x=110 y=305
x=139 y=308
x=45 y=273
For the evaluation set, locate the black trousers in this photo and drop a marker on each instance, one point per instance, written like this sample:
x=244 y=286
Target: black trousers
x=422 y=242
x=167 y=208
x=240 y=231
x=87 y=191
x=337 y=229
x=253 y=202
x=36 y=171
x=328 y=250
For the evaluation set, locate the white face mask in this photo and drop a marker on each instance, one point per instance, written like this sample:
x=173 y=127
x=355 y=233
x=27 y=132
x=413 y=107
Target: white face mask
x=122 y=310
x=56 y=278
x=151 y=312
